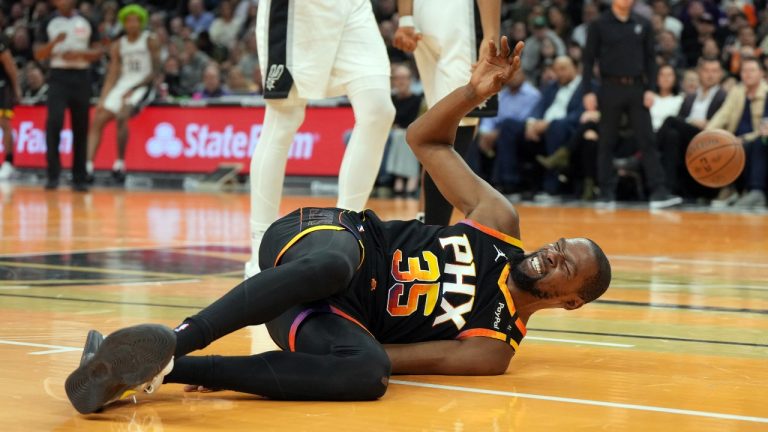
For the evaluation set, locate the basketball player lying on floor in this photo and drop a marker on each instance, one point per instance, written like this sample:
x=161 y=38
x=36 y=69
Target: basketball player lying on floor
x=352 y=299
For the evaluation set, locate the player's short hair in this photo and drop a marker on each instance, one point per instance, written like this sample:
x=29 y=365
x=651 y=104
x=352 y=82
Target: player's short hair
x=596 y=285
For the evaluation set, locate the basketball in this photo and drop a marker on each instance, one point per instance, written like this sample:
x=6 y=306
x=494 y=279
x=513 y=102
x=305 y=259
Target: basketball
x=715 y=158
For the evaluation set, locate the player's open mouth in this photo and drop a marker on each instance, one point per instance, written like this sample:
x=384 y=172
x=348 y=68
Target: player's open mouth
x=537 y=265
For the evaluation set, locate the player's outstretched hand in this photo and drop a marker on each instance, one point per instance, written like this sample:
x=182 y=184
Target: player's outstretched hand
x=494 y=70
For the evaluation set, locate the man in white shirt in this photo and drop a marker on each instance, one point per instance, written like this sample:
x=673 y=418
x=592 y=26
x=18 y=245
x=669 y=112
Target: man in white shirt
x=676 y=132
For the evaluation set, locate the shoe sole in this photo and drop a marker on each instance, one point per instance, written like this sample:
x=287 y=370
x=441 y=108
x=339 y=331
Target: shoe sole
x=666 y=203
x=126 y=359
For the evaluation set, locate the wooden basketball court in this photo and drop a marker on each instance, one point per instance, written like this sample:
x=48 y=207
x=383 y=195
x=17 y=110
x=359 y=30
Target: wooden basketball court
x=678 y=343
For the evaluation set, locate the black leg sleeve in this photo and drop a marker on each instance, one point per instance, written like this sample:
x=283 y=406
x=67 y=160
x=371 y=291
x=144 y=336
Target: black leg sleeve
x=335 y=360
x=437 y=210
x=318 y=266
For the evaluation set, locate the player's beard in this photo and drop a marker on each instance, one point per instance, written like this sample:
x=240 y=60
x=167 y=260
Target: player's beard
x=522 y=280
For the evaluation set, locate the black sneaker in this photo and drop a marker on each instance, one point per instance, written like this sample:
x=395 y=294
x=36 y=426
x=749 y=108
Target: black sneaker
x=90 y=179
x=80 y=187
x=127 y=359
x=52 y=184
x=661 y=198
x=118 y=176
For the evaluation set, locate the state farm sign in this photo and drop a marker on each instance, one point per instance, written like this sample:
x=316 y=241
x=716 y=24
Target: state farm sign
x=196 y=139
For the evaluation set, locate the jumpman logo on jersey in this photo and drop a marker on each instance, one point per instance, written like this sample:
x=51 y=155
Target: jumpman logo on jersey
x=499 y=253
x=275 y=72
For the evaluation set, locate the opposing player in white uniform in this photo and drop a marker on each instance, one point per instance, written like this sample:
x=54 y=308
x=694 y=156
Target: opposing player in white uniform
x=442 y=36
x=134 y=64
x=311 y=49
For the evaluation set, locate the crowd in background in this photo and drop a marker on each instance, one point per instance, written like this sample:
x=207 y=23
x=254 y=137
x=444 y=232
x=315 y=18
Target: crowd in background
x=209 y=51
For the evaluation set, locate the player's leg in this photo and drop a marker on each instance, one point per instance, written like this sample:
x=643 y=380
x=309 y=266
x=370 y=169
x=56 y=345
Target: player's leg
x=57 y=105
x=79 y=105
x=361 y=67
x=612 y=107
x=640 y=121
x=281 y=120
x=118 y=168
x=101 y=117
x=374 y=113
x=448 y=29
x=318 y=266
x=334 y=359
x=6 y=169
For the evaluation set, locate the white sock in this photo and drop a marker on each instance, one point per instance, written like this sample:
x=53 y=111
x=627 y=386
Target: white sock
x=89 y=167
x=374 y=114
x=281 y=120
x=119 y=165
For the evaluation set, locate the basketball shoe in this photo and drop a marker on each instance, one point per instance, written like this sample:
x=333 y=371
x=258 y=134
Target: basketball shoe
x=127 y=361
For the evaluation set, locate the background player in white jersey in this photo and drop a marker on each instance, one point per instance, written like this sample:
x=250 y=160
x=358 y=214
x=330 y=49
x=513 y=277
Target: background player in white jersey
x=311 y=49
x=134 y=63
x=442 y=36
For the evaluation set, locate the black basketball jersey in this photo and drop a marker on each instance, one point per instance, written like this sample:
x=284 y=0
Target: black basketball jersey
x=423 y=282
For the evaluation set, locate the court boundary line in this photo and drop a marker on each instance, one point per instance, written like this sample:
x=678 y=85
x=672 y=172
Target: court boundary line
x=55 y=349
x=635 y=407
x=671 y=260
x=579 y=342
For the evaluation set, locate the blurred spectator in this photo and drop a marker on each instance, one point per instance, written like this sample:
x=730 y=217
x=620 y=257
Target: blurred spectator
x=211 y=86
x=205 y=45
x=559 y=22
x=226 y=27
x=109 y=27
x=400 y=162
x=661 y=8
x=21 y=48
x=756 y=171
x=741 y=114
x=516 y=102
x=249 y=59
x=745 y=46
x=198 y=19
x=172 y=79
x=668 y=51
x=575 y=52
x=710 y=49
x=667 y=100
x=590 y=13
x=698 y=29
x=35 y=89
x=193 y=62
x=237 y=83
x=690 y=82
x=537 y=45
x=519 y=32
x=556 y=116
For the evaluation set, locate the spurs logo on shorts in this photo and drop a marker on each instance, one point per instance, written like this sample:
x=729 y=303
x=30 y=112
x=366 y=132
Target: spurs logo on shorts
x=275 y=72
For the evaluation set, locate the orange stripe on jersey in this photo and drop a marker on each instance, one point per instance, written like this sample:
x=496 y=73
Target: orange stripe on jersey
x=481 y=332
x=492 y=232
x=508 y=297
x=300 y=235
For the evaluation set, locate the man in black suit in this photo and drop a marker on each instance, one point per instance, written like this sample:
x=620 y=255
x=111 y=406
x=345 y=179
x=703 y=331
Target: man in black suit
x=556 y=117
x=676 y=132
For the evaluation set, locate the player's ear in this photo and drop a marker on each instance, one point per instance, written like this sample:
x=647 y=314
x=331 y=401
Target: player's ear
x=573 y=303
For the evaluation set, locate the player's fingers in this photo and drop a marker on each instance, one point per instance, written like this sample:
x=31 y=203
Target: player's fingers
x=504 y=46
x=518 y=49
x=492 y=49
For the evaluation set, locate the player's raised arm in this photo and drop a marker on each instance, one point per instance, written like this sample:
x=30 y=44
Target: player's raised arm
x=431 y=137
